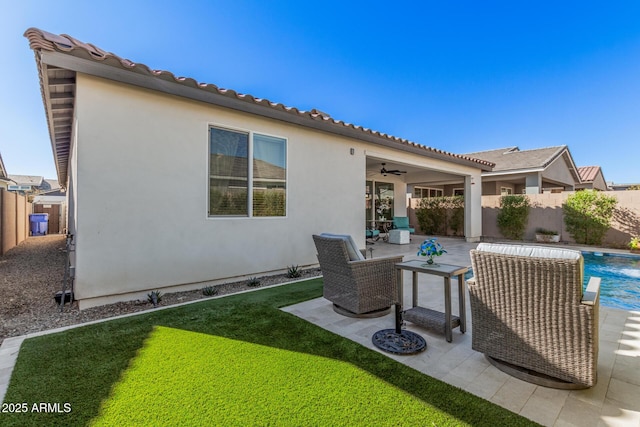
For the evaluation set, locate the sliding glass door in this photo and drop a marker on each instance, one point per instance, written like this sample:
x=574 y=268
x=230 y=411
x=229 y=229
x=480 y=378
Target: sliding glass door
x=379 y=199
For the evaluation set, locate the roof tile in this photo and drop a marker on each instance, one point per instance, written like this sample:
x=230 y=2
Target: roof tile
x=513 y=158
x=42 y=40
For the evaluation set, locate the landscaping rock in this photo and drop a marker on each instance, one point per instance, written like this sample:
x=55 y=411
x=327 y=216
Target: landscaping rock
x=32 y=273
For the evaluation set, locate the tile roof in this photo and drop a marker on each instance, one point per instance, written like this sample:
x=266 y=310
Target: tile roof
x=27 y=180
x=512 y=158
x=3 y=171
x=588 y=173
x=43 y=42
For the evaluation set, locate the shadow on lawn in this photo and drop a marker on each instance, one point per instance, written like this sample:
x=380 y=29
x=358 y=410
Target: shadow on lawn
x=81 y=366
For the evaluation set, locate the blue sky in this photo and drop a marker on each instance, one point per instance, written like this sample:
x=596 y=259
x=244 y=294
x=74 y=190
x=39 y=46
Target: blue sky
x=463 y=76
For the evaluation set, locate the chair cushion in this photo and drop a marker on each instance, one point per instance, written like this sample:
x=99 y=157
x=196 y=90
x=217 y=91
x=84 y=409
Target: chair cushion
x=352 y=248
x=401 y=221
x=372 y=233
x=531 y=251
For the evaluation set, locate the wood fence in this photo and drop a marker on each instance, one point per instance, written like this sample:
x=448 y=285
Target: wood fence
x=14 y=219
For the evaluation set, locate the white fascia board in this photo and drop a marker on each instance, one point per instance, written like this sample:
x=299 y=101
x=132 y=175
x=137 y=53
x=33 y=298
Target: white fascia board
x=513 y=172
x=171 y=87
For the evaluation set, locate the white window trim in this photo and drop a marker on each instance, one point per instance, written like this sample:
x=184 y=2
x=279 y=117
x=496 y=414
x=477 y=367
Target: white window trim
x=429 y=188
x=506 y=191
x=249 y=215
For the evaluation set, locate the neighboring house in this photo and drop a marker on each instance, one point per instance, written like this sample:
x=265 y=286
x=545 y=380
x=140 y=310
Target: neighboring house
x=516 y=171
x=31 y=184
x=5 y=181
x=175 y=185
x=623 y=187
x=591 y=178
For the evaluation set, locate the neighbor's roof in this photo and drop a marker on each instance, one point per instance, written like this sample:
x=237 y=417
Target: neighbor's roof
x=513 y=160
x=3 y=171
x=32 y=180
x=588 y=173
x=59 y=57
x=52 y=183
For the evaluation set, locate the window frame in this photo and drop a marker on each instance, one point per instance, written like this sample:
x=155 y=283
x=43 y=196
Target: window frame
x=439 y=191
x=506 y=191
x=250 y=175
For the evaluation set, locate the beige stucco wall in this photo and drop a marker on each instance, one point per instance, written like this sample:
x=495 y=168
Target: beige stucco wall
x=139 y=179
x=546 y=212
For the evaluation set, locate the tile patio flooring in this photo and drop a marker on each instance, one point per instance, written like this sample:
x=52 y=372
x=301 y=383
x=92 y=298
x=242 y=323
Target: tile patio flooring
x=614 y=401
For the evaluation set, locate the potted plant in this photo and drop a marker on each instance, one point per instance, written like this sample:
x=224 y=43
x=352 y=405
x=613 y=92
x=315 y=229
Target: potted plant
x=383 y=209
x=634 y=245
x=431 y=248
x=547 y=236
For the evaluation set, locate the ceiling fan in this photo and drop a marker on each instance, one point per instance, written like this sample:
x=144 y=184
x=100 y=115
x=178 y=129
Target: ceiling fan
x=384 y=171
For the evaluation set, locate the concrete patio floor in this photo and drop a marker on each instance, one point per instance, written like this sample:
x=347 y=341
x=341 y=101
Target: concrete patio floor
x=614 y=401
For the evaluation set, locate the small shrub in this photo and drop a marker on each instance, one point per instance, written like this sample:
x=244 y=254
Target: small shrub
x=546 y=232
x=441 y=215
x=293 y=272
x=253 y=282
x=432 y=215
x=209 y=291
x=634 y=244
x=154 y=297
x=513 y=216
x=588 y=215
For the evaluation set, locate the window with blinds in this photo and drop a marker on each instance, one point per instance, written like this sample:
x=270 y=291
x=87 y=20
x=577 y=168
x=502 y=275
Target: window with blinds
x=247 y=174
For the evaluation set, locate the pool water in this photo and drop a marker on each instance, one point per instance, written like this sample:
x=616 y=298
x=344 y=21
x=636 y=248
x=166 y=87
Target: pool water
x=620 y=278
x=620 y=286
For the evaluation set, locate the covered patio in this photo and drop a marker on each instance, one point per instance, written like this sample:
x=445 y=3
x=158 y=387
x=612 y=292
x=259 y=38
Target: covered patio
x=391 y=181
x=614 y=401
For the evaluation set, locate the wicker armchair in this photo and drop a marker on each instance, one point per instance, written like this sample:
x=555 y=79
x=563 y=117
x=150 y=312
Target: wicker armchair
x=357 y=287
x=530 y=316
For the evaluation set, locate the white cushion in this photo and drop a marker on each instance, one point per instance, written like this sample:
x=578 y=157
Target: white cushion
x=352 y=248
x=532 y=251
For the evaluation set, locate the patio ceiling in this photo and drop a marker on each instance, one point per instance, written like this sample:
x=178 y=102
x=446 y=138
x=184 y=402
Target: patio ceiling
x=414 y=175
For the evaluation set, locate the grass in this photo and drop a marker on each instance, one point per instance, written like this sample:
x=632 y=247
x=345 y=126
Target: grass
x=236 y=360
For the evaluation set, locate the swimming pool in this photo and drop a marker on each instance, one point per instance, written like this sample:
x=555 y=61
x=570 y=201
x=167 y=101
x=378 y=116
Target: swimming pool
x=620 y=278
x=620 y=274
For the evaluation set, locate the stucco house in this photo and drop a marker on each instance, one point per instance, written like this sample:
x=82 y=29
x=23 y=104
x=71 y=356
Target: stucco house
x=591 y=178
x=174 y=184
x=32 y=184
x=623 y=187
x=549 y=169
x=5 y=181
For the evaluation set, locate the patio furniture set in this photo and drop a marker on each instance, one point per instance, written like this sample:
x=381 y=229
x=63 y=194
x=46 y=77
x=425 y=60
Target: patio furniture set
x=397 y=230
x=530 y=315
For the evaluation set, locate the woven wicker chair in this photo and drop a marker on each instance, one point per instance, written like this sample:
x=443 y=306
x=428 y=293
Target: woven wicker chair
x=357 y=287
x=530 y=316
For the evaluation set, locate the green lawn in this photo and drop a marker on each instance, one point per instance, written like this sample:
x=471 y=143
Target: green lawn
x=236 y=360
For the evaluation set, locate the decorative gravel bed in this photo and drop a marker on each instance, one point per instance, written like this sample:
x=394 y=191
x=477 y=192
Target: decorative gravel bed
x=32 y=272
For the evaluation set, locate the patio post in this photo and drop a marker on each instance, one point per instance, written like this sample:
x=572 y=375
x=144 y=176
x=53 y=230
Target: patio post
x=473 y=207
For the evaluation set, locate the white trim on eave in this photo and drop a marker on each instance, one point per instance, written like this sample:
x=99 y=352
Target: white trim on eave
x=162 y=83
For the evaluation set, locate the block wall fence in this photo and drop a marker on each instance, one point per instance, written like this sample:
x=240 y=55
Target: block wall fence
x=546 y=212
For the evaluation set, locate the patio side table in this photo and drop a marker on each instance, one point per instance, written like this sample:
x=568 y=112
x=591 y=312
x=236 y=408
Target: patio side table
x=429 y=318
